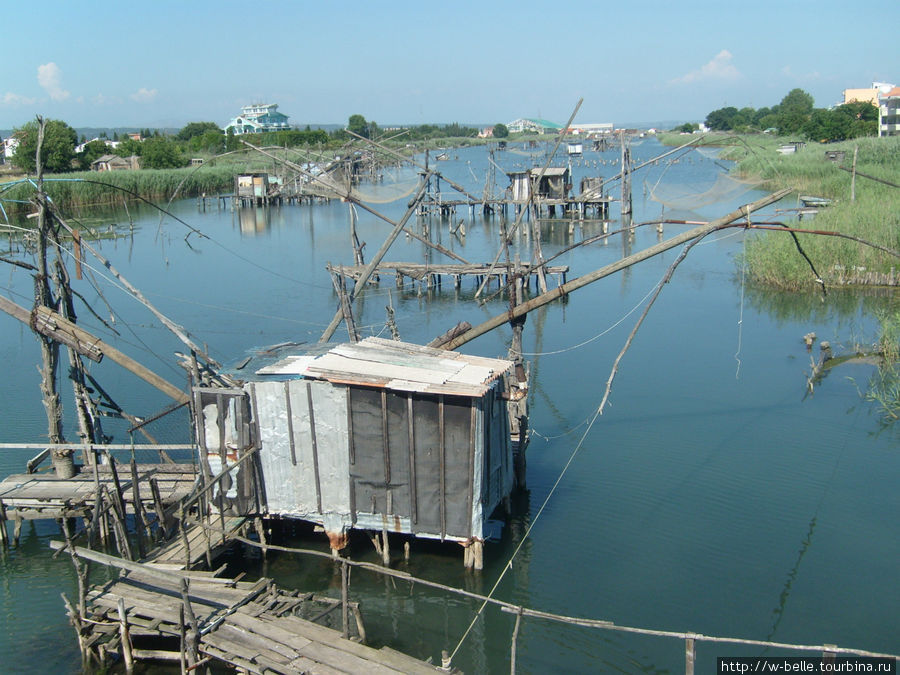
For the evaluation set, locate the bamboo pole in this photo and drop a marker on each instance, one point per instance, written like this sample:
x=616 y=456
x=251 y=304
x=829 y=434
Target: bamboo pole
x=628 y=261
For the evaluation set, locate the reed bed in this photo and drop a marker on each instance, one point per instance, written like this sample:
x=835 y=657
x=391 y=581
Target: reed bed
x=89 y=188
x=772 y=258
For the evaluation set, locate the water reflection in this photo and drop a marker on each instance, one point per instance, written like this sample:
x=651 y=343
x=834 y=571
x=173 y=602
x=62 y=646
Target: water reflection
x=253 y=220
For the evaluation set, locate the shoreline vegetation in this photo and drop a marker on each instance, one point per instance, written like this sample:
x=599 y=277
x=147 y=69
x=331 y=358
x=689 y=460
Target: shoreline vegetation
x=867 y=210
x=85 y=189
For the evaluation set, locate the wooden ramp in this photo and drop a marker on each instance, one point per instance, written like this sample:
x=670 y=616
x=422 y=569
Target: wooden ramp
x=250 y=625
x=196 y=546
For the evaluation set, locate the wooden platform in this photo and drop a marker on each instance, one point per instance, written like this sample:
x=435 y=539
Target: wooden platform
x=432 y=274
x=38 y=496
x=175 y=556
x=249 y=625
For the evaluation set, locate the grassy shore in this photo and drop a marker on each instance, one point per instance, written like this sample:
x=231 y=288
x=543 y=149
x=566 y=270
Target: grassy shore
x=88 y=188
x=870 y=213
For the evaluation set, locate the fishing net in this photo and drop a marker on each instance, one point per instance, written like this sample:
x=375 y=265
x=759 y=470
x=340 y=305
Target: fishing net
x=710 y=152
x=685 y=196
x=392 y=183
x=525 y=153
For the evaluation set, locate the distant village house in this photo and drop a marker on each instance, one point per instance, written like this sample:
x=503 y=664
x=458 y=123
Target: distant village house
x=258 y=118
x=116 y=163
x=533 y=125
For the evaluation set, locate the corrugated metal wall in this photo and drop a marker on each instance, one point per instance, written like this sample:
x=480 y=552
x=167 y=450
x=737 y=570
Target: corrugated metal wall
x=341 y=456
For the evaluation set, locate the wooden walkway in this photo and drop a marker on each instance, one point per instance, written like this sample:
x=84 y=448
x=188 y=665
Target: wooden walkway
x=196 y=547
x=250 y=625
x=38 y=496
x=433 y=274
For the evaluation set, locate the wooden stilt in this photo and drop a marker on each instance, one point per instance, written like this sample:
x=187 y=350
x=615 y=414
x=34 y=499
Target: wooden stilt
x=162 y=528
x=512 y=646
x=125 y=638
x=385 y=548
x=260 y=530
x=345 y=584
x=4 y=536
x=17 y=529
x=140 y=522
x=477 y=547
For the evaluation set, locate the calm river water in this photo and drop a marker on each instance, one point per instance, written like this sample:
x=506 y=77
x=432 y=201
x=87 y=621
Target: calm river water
x=714 y=495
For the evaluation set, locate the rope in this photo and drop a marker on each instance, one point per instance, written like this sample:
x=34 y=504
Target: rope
x=531 y=525
x=737 y=353
x=599 y=335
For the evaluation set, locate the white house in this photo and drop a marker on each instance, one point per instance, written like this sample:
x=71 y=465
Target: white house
x=889 y=113
x=258 y=118
x=9 y=146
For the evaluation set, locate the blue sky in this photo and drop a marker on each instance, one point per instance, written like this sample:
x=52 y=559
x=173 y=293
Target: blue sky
x=163 y=64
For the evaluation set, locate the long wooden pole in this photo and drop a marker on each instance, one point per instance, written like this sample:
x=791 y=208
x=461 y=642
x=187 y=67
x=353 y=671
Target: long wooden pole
x=531 y=188
x=166 y=321
x=575 y=284
x=373 y=263
x=82 y=336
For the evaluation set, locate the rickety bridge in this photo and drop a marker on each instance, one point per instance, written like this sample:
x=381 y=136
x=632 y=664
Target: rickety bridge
x=149 y=492
x=194 y=618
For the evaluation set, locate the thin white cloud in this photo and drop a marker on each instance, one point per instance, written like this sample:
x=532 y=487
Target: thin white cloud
x=49 y=77
x=103 y=99
x=144 y=95
x=719 y=68
x=10 y=98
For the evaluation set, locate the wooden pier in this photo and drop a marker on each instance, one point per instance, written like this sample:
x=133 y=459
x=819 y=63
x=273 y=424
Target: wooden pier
x=581 y=207
x=432 y=275
x=196 y=618
x=141 y=490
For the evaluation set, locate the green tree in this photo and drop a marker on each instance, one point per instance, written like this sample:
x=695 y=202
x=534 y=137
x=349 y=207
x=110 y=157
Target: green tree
x=794 y=111
x=212 y=141
x=231 y=142
x=358 y=125
x=129 y=147
x=57 y=151
x=197 y=129
x=161 y=153
x=722 y=119
x=501 y=131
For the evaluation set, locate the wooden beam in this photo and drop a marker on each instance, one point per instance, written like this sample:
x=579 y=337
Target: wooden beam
x=80 y=336
x=628 y=261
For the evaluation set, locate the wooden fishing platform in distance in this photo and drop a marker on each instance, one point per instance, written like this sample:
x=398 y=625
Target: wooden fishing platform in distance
x=433 y=274
x=33 y=496
x=250 y=625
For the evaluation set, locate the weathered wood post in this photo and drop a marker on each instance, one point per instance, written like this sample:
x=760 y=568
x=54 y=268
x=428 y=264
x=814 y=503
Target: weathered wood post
x=345 y=590
x=4 y=536
x=125 y=637
x=512 y=646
